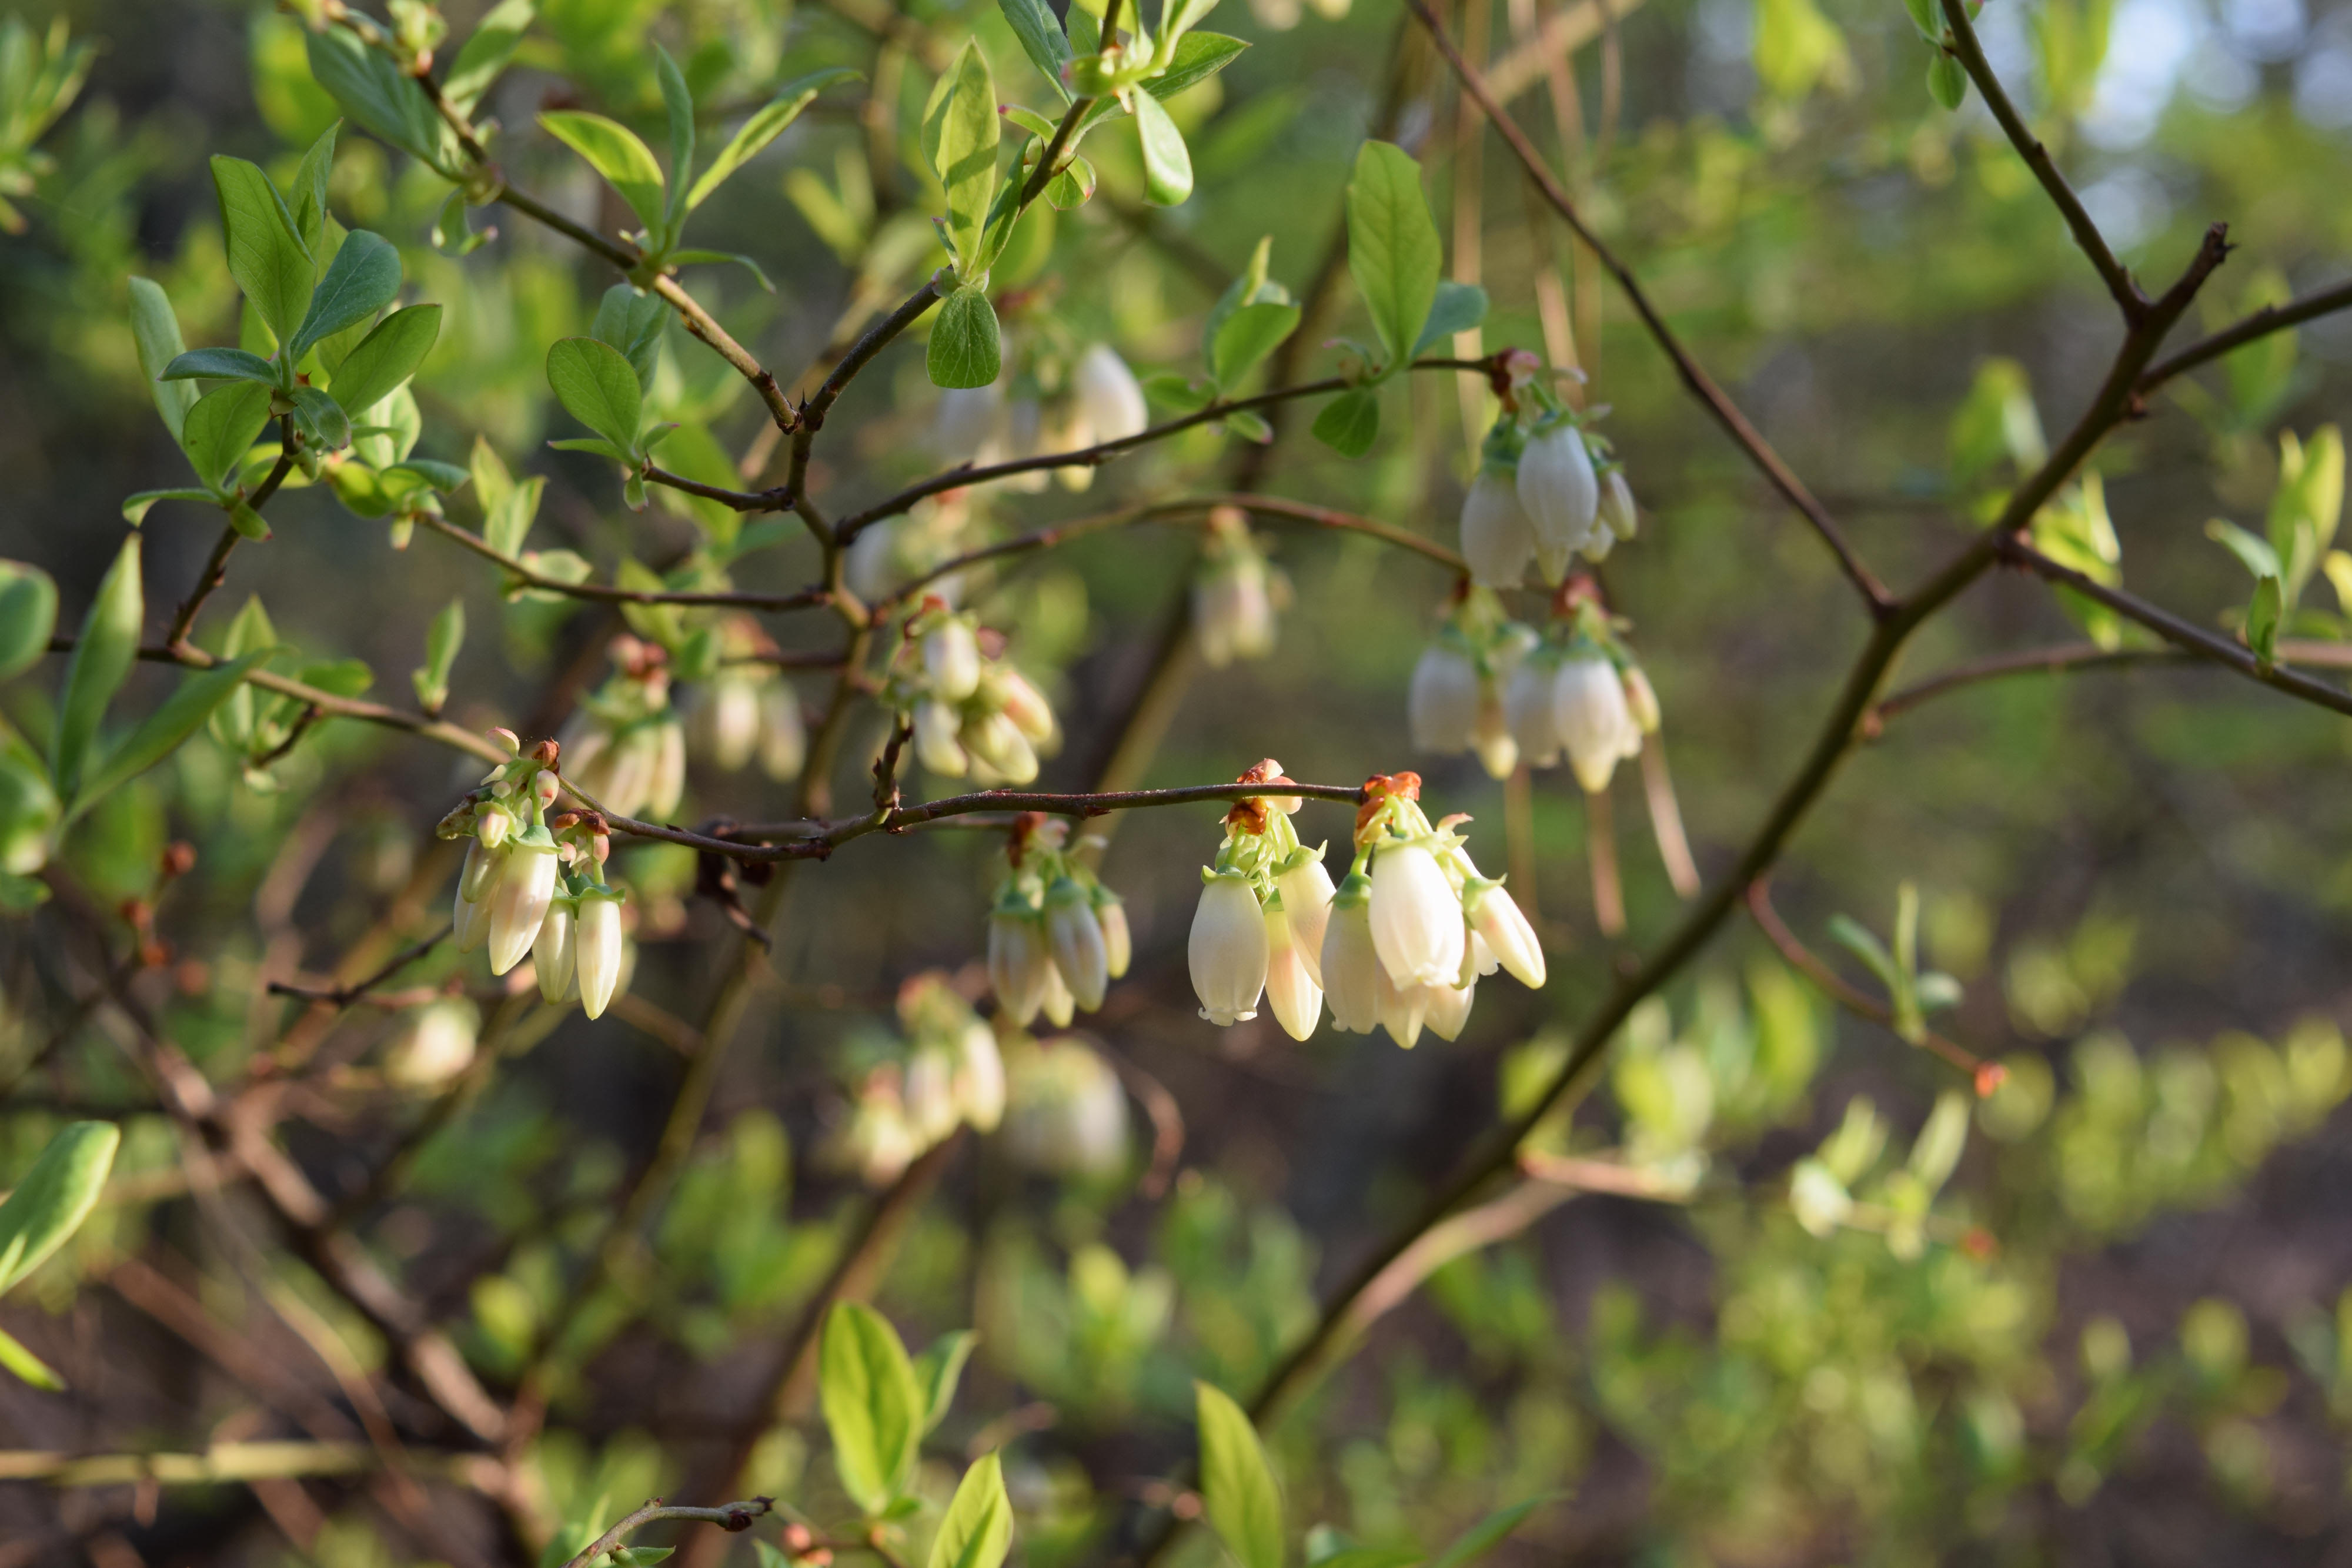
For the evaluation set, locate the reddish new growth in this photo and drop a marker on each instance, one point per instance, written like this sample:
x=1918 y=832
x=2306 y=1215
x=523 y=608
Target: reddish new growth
x=1582 y=588
x=1249 y=813
x=545 y=753
x=1024 y=828
x=1990 y=1075
x=1383 y=788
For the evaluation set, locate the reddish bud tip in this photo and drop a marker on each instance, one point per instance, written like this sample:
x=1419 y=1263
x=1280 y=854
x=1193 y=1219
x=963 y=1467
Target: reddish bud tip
x=1990 y=1075
x=798 y=1539
x=1979 y=1243
x=179 y=858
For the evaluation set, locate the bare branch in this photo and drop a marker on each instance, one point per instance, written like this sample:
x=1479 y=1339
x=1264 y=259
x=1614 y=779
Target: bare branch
x=2261 y=324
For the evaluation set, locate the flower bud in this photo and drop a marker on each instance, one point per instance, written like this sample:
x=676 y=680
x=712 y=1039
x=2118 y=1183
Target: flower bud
x=998 y=748
x=1227 y=951
x=1642 y=700
x=1118 y=946
x=471 y=920
x=597 y=954
x=1442 y=706
x=1416 y=916
x=492 y=825
x=1496 y=918
x=665 y=784
x=1077 y=936
x=518 y=904
x=1232 y=611
x=1351 y=970
x=1498 y=538
x=950 y=654
x=1024 y=704
x=1497 y=748
x=1290 y=987
x=1617 y=511
x=551 y=954
x=1108 y=395
x=1019 y=959
x=1058 y=1006
x=727 y=721
x=1305 y=892
x=979 y=1077
x=1065 y=1112
x=936 y=746
x=784 y=736
x=482 y=862
x=930 y=1095
x=970 y=420
x=1562 y=499
x=1595 y=725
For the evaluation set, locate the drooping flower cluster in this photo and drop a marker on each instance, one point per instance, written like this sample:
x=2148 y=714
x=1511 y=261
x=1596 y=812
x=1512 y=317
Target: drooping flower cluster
x=1547 y=489
x=535 y=885
x=748 y=709
x=1455 y=704
x=1258 y=931
x=624 y=747
x=971 y=711
x=944 y=1073
x=1051 y=404
x=1057 y=935
x=1236 y=593
x=1579 y=692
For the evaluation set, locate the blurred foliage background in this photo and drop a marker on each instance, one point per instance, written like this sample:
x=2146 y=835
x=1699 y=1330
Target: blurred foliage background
x=2110 y=1324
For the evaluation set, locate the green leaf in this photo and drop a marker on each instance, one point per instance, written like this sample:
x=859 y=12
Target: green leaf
x=442 y=476
x=136 y=507
x=320 y=418
x=1167 y=163
x=1252 y=287
x=1350 y=423
x=28 y=616
x=1458 y=307
x=2253 y=553
x=376 y=93
x=977 y=1529
x=486 y=51
x=764 y=125
x=631 y=322
x=441 y=645
x=596 y=386
x=157 y=329
x=221 y=365
x=363 y=279
x=1072 y=188
x=734 y=258
x=1237 y=1489
x=1178 y=16
x=677 y=106
x=1392 y=248
x=15 y=1357
x=1488 y=1533
x=308 y=201
x=872 y=1404
x=1370 y=1557
x=55 y=1195
x=966 y=349
x=1198 y=56
x=613 y=151
x=937 y=1371
x=159 y=734
x=1248 y=336
x=450 y=235
x=102 y=658
x=385 y=358
x=595 y=443
x=1864 y=944
x=246 y=521
x=1947 y=79
x=2263 y=620
x=222 y=427
x=961 y=135
x=1042 y=39
x=266 y=253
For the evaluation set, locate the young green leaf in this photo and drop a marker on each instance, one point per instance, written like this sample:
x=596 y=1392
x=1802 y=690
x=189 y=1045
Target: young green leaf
x=101 y=662
x=1488 y=1533
x=222 y=427
x=729 y=257
x=977 y=1531
x=2253 y=553
x=631 y=322
x=1167 y=163
x=2263 y=620
x=1392 y=249
x=266 y=253
x=156 y=327
x=385 y=358
x=441 y=645
x=961 y=135
x=1198 y=56
x=200 y=695
x=506 y=525
x=308 y=200
x=872 y=1406
x=595 y=384
x=1947 y=79
x=937 y=1371
x=763 y=127
x=321 y=420
x=384 y=98
x=1042 y=39
x=677 y=106
x=1247 y=336
x=613 y=151
x=1237 y=1489
x=486 y=53
x=1458 y=307
x=1072 y=188
x=55 y=1195
x=966 y=348
x=13 y=1357
x=28 y=614
x=136 y=506
x=1350 y=423
x=363 y=279
x=221 y=365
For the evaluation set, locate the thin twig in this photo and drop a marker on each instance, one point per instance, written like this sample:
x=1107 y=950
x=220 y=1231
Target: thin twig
x=2085 y=656
x=1832 y=985
x=774 y=603
x=732 y=1517
x=341 y=996
x=2261 y=324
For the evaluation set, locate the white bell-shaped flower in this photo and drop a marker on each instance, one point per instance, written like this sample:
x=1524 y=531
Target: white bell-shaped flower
x=1227 y=951
x=1110 y=396
x=1305 y=889
x=1290 y=987
x=1021 y=702
x=1497 y=747
x=979 y=1077
x=784 y=733
x=1057 y=1004
x=519 y=904
x=1416 y=916
x=1557 y=486
x=554 y=953
x=597 y=951
x=1446 y=1008
x=1080 y=956
x=1498 y=538
x=1118 y=945
x=666 y=785
x=1000 y=753
x=1642 y=701
x=1351 y=972
x=1617 y=512
x=1232 y=611
x=1596 y=726
x=437 y=1045
x=727 y=721
x=1496 y=920
x=936 y=746
x=1529 y=710
x=950 y=654
x=471 y=920
x=1402 y=1009
x=969 y=426
x=1020 y=958
x=1441 y=705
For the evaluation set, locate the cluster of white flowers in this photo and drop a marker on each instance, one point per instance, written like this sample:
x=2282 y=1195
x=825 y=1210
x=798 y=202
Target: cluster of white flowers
x=1457 y=700
x=534 y=885
x=946 y=1072
x=888 y=555
x=1400 y=944
x=624 y=747
x=1066 y=1113
x=1234 y=592
x=971 y=711
x=1539 y=496
x=746 y=709
x=1057 y=935
x=1053 y=406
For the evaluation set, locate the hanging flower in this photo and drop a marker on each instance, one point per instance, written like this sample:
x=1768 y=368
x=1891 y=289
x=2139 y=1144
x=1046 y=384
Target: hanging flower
x=1457 y=700
x=971 y=711
x=625 y=746
x=1108 y=396
x=1243 y=938
x=435 y=1044
x=598 y=950
x=1499 y=537
x=1558 y=488
x=748 y=709
x=1596 y=726
x=1618 y=514
x=1228 y=950
x=1305 y=888
x=1441 y=705
x=1233 y=593
x=1291 y=989
x=1064 y=1113
x=1416 y=915
x=1351 y=970
x=525 y=890
x=1050 y=948
x=554 y=950
x=1500 y=928
x=1077 y=936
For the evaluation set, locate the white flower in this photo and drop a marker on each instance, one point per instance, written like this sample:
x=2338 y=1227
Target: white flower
x=1076 y=935
x=979 y=1077
x=1351 y=971
x=596 y=950
x=950 y=654
x=1498 y=538
x=1059 y=1007
x=1065 y=1111
x=1495 y=918
x=519 y=904
x=1290 y=986
x=727 y=721
x=1642 y=700
x=1416 y=916
x=969 y=423
x=1023 y=703
x=929 y=1094
x=1819 y=1199
x=1019 y=960
x=1108 y=395
x=437 y=1046
x=1595 y=725
x=1228 y=950
x=1497 y=747
x=1232 y=611
x=936 y=746
x=1402 y=1009
x=1529 y=709
x=666 y=785
x=1305 y=889
x=552 y=954
x=784 y=734
x=1441 y=708
x=470 y=921
x=1119 y=945
x=1447 y=1008
x=1001 y=754
x=1617 y=511
x=1562 y=497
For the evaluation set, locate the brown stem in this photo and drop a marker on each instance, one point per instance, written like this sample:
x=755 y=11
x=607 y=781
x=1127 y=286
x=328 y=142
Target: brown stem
x=1832 y=985
x=2261 y=324
x=215 y=571
x=774 y=603
x=2085 y=656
